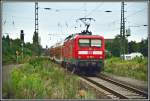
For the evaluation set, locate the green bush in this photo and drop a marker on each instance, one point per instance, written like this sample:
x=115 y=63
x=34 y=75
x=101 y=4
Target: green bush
x=40 y=78
x=136 y=68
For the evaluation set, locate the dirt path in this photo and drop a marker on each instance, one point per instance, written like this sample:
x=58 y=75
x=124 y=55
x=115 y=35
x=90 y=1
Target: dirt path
x=6 y=70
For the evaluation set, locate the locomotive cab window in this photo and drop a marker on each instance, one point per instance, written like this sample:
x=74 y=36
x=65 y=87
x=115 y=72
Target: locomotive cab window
x=90 y=42
x=84 y=42
x=96 y=42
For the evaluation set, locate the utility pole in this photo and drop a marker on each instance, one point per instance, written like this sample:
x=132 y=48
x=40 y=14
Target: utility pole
x=36 y=18
x=36 y=27
x=122 y=30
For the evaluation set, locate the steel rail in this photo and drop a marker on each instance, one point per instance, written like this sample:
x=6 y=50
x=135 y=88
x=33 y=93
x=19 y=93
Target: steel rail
x=106 y=88
x=107 y=78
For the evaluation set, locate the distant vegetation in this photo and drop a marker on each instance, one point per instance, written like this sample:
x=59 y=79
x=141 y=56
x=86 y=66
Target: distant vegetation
x=136 y=68
x=114 y=48
x=42 y=79
x=10 y=46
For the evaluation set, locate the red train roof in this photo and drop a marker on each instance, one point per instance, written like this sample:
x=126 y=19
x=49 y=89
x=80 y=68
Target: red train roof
x=88 y=36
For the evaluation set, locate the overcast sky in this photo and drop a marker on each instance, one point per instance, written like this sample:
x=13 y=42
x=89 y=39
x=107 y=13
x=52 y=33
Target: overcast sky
x=61 y=20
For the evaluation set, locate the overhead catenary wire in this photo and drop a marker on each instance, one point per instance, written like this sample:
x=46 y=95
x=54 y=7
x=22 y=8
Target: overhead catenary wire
x=130 y=15
x=136 y=12
x=96 y=8
x=85 y=11
x=90 y=12
x=73 y=26
x=68 y=25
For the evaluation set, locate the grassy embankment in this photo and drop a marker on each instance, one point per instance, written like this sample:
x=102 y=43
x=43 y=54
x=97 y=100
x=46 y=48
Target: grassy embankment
x=136 y=68
x=42 y=79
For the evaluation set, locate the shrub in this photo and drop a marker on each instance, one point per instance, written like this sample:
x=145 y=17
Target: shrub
x=136 y=68
x=40 y=78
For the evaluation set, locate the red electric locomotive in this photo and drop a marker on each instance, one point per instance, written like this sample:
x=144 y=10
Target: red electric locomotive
x=79 y=52
x=82 y=52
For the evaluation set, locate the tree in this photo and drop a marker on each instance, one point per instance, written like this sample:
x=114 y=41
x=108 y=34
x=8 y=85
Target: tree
x=133 y=47
x=36 y=44
x=9 y=48
x=116 y=47
x=35 y=38
x=8 y=40
x=143 y=47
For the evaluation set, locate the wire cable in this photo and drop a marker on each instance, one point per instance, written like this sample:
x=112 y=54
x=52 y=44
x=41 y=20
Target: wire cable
x=97 y=7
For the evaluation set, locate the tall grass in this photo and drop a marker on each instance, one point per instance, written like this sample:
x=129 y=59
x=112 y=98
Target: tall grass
x=136 y=68
x=42 y=79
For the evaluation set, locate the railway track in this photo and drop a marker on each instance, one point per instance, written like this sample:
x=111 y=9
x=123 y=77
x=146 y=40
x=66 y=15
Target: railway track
x=114 y=88
x=117 y=89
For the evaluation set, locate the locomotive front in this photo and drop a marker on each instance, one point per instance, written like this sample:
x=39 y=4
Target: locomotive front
x=89 y=53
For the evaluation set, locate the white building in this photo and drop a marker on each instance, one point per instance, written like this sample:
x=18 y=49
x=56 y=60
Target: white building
x=132 y=56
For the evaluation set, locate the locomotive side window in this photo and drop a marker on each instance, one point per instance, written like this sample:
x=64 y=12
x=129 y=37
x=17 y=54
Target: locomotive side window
x=96 y=42
x=84 y=42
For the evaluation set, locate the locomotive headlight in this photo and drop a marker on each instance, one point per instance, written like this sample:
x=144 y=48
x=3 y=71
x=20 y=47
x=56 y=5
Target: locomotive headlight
x=97 y=52
x=82 y=52
x=79 y=57
x=87 y=56
x=91 y=57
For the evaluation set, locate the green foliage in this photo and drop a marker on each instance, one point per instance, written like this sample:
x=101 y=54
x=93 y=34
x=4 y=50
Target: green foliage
x=108 y=47
x=40 y=78
x=36 y=44
x=35 y=38
x=136 y=68
x=26 y=85
x=133 y=47
x=141 y=47
x=10 y=46
x=108 y=54
x=116 y=46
